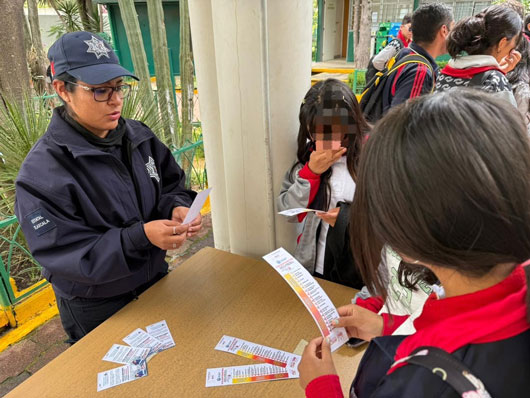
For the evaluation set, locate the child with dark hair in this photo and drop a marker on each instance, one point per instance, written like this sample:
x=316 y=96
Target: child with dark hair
x=332 y=129
x=442 y=180
x=483 y=50
x=519 y=78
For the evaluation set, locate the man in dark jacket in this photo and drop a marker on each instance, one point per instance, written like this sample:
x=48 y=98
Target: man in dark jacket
x=431 y=24
x=100 y=199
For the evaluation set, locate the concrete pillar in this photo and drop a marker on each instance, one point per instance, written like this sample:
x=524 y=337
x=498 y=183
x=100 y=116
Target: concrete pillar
x=253 y=62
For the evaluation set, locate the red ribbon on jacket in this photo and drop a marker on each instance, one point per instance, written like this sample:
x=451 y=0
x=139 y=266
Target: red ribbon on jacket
x=467 y=73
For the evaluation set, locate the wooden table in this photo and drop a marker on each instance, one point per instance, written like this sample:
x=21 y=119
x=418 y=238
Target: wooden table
x=211 y=294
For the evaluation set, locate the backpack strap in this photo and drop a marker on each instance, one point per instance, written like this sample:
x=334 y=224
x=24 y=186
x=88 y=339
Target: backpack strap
x=449 y=369
x=413 y=58
x=479 y=78
x=370 y=99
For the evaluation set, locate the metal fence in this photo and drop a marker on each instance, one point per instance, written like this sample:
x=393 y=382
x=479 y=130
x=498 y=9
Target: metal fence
x=10 y=238
x=357 y=81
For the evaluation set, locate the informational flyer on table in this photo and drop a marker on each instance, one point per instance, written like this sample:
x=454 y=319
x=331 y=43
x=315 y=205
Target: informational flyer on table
x=161 y=332
x=127 y=355
x=139 y=338
x=217 y=377
x=123 y=374
x=258 y=352
x=309 y=291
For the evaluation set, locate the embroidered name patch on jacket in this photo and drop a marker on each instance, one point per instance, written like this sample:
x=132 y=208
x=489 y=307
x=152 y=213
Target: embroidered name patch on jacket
x=40 y=221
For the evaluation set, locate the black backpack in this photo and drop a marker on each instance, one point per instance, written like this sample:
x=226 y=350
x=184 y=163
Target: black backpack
x=371 y=100
x=371 y=70
x=451 y=370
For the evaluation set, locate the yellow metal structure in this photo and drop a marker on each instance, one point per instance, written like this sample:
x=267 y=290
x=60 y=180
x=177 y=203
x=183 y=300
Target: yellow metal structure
x=27 y=315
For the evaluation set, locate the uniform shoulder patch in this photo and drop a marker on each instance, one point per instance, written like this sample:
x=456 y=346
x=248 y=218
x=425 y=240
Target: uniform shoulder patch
x=40 y=221
x=151 y=169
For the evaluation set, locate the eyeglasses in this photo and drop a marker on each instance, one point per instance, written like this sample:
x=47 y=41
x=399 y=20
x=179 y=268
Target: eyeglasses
x=104 y=94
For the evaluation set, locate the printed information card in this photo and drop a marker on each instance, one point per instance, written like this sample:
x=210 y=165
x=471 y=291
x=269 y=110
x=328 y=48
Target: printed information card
x=309 y=291
x=123 y=374
x=161 y=332
x=141 y=347
x=296 y=211
x=139 y=338
x=126 y=355
x=247 y=374
x=196 y=206
x=258 y=352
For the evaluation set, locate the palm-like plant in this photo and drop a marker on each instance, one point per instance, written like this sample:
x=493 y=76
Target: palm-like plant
x=22 y=123
x=71 y=21
x=134 y=108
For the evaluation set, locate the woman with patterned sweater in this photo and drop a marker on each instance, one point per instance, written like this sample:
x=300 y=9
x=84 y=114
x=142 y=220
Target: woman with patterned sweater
x=483 y=51
x=441 y=186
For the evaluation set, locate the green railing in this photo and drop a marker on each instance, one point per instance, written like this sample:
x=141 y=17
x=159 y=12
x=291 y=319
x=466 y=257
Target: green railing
x=10 y=244
x=357 y=80
x=187 y=158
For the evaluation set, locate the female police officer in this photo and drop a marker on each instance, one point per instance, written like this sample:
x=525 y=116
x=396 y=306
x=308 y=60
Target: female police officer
x=99 y=198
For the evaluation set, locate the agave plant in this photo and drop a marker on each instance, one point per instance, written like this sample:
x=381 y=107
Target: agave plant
x=133 y=108
x=22 y=123
x=71 y=20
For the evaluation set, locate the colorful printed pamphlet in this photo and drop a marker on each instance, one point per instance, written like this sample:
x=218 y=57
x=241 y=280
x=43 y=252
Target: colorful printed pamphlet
x=247 y=374
x=309 y=291
x=258 y=352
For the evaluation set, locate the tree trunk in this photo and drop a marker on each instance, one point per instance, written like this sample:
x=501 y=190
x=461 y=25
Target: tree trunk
x=100 y=13
x=362 y=52
x=136 y=45
x=186 y=73
x=83 y=14
x=356 y=18
x=14 y=76
x=164 y=80
x=40 y=63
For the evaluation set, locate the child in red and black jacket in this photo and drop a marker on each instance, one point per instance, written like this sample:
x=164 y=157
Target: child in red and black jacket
x=483 y=50
x=441 y=181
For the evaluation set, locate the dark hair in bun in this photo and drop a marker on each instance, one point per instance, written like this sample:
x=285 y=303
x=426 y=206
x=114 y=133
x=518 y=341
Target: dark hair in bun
x=476 y=35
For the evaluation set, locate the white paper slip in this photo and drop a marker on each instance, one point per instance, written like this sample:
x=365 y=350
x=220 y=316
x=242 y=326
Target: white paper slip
x=127 y=355
x=196 y=206
x=309 y=291
x=139 y=338
x=247 y=374
x=123 y=374
x=258 y=352
x=296 y=211
x=161 y=332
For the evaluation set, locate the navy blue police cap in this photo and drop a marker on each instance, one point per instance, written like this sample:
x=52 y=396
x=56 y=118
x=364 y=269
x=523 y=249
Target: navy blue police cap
x=87 y=57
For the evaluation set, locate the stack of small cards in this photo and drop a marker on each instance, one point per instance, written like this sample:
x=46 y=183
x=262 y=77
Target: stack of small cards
x=278 y=365
x=142 y=346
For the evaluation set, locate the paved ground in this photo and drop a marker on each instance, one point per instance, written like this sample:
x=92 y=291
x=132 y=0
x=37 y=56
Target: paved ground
x=21 y=360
